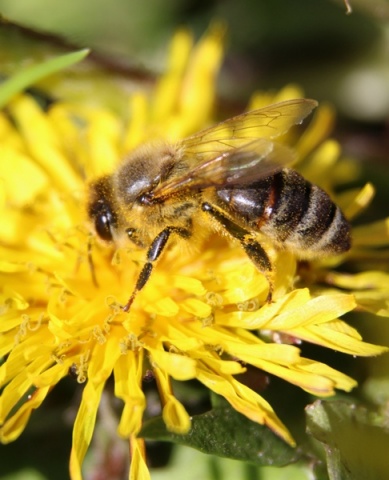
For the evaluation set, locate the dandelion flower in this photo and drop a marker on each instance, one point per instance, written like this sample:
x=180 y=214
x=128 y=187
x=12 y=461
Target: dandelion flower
x=201 y=316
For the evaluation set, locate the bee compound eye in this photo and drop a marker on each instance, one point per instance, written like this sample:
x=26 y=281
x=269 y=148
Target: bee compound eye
x=103 y=226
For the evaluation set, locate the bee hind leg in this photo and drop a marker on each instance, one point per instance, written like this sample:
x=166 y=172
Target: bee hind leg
x=153 y=253
x=259 y=257
x=251 y=246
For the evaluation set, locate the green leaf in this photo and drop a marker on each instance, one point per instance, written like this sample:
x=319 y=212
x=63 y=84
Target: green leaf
x=355 y=442
x=209 y=467
x=226 y=433
x=27 y=77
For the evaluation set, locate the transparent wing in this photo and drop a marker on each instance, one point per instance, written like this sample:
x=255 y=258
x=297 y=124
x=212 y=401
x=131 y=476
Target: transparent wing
x=239 y=150
x=247 y=164
x=269 y=122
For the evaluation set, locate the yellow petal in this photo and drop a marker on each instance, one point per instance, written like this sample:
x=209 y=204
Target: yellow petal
x=103 y=135
x=13 y=427
x=175 y=416
x=245 y=401
x=356 y=201
x=22 y=179
x=196 y=307
x=360 y=281
x=263 y=99
x=320 y=126
x=374 y=301
x=43 y=143
x=265 y=315
x=316 y=311
x=13 y=392
x=216 y=364
x=9 y=136
x=244 y=283
x=197 y=97
x=138 y=468
x=318 y=171
x=189 y=284
x=128 y=378
x=288 y=92
x=103 y=359
x=84 y=426
x=373 y=234
x=166 y=307
x=340 y=380
x=51 y=376
x=179 y=367
x=167 y=90
x=135 y=131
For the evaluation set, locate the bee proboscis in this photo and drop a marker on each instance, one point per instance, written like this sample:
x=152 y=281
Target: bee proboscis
x=232 y=177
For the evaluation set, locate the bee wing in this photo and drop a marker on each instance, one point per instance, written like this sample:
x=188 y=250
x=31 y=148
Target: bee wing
x=239 y=150
x=239 y=166
x=269 y=122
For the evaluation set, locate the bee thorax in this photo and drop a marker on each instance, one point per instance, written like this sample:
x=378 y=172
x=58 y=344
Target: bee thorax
x=142 y=171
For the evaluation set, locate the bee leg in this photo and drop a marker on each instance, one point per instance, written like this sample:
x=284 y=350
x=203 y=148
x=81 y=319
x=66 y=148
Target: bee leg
x=153 y=253
x=251 y=246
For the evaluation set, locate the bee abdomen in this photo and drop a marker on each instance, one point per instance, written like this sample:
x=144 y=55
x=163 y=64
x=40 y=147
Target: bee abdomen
x=292 y=211
x=304 y=217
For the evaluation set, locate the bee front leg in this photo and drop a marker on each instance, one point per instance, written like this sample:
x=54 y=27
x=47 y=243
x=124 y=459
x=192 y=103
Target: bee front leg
x=153 y=253
x=251 y=246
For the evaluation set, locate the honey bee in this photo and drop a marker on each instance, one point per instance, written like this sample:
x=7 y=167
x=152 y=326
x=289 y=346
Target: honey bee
x=232 y=177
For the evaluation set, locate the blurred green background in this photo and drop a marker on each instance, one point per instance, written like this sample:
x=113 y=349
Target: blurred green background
x=334 y=56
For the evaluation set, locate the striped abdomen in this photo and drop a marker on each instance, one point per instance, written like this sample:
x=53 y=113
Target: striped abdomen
x=292 y=211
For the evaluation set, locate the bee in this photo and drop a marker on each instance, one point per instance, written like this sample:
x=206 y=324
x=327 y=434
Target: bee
x=232 y=178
